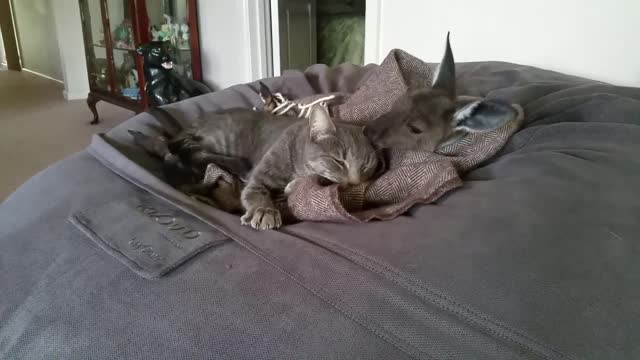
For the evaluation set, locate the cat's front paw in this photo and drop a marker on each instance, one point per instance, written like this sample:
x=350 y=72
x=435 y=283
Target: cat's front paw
x=262 y=218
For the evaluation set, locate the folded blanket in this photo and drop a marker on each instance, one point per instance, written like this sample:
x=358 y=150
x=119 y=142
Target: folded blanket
x=411 y=177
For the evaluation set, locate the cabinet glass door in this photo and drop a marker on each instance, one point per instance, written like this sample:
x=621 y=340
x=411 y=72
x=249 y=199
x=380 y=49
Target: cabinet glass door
x=168 y=21
x=123 y=46
x=95 y=44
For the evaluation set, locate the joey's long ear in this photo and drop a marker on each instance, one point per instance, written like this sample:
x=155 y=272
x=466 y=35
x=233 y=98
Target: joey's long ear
x=483 y=115
x=320 y=124
x=139 y=138
x=445 y=77
x=152 y=145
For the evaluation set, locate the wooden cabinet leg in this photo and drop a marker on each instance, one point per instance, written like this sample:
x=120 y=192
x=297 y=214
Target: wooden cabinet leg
x=92 y=100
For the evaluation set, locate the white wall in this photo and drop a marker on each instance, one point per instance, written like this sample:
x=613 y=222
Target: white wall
x=37 y=37
x=231 y=41
x=71 y=46
x=225 y=56
x=3 y=58
x=590 y=38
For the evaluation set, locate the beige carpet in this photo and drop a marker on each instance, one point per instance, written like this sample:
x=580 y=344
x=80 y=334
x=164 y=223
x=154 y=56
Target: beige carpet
x=38 y=127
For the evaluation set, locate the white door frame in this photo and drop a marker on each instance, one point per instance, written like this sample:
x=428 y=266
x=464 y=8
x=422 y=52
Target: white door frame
x=259 y=38
x=275 y=37
x=372 y=31
x=264 y=35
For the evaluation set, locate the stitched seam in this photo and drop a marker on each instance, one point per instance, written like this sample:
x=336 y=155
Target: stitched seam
x=455 y=311
x=247 y=245
x=440 y=300
x=7 y=346
x=531 y=137
x=183 y=206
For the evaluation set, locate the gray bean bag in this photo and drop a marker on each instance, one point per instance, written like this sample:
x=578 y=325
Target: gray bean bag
x=534 y=258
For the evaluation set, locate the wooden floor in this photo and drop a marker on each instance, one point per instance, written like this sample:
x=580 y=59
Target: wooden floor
x=38 y=127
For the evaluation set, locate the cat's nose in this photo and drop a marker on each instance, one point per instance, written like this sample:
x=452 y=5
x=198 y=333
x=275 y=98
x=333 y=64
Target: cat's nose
x=354 y=179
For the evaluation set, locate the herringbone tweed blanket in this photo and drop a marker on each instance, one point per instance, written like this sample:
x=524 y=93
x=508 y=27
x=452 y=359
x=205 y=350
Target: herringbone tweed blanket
x=411 y=177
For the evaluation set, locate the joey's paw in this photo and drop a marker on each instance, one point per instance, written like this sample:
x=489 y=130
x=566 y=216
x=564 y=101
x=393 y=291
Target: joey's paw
x=262 y=218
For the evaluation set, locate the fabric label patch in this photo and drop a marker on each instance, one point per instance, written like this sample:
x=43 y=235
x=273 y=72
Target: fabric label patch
x=146 y=234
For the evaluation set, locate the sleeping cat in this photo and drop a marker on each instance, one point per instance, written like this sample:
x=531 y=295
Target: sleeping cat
x=272 y=151
x=187 y=160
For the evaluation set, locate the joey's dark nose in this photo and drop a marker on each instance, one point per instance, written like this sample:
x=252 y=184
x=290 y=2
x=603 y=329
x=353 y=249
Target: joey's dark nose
x=372 y=134
x=367 y=131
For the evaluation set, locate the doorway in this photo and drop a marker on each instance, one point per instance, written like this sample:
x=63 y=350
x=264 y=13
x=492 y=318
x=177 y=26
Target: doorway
x=306 y=32
x=3 y=58
x=9 y=43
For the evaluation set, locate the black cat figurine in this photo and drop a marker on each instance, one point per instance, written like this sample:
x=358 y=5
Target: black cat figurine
x=163 y=85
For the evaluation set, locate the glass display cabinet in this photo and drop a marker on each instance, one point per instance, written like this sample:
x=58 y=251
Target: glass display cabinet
x=112 y=31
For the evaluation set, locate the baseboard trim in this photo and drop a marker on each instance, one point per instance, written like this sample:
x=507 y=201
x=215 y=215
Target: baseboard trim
x=43 y=75
x=75 y=95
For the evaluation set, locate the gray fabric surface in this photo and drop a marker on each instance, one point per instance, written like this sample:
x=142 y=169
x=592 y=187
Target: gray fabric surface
x=534 y=258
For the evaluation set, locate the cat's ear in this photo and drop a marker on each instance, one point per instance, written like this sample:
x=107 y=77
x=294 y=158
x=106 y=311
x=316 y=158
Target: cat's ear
x=445 y=78
x=483 y=115
x=265 y=92
x=267 y=97
x=320 y=124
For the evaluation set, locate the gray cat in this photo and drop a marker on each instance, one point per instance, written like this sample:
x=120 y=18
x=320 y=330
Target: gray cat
x=431 y=118
x=276 y=150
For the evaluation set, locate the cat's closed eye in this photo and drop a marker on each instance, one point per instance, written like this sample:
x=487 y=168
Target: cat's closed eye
x=339 y=162
x=414 y=129
x=322 y=181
